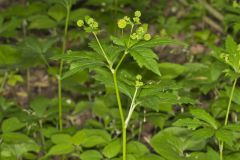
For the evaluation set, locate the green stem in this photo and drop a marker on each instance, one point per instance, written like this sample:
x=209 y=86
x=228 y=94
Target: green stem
x=4 y=81
x=104 y=53
x=42 y=136
x=61 y=69
x=132 y=107
x=221 y=145
x=129 y=38
x=121 y=60
x=124 y=134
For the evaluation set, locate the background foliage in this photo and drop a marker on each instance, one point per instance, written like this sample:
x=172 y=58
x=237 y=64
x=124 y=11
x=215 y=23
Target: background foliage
x=188 y=89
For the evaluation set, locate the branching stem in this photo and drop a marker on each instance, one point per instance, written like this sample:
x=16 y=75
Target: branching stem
x=221 y=144
x=132 y=107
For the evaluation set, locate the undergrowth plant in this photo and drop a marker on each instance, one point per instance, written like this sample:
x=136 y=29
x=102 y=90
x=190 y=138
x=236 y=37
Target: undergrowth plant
x=106 y=60
x=231 y=56
x=67 y=4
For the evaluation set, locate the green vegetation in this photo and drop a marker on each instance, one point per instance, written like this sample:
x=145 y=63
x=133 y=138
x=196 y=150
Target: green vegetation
x=119 y=80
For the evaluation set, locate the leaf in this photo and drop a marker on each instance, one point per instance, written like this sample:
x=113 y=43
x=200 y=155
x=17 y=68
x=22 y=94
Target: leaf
x=80 y=61
x=146 y=57
x=230 y=45
x=203 y=133
x=151 y=157
x=41 y=22
x=60 y=149
x=232 y=127
x=61 y=139
x=189 y=123
x=11 y=124
x=117 y=41
x=111 y=51
x=169 y=144
x=9 y=55
x=57 y=12
x=91 y=155
x=226 y=136
x=112 y=149
x=136 y=148
x=39 y=106
x=205 y=116
x=91 y=137
x=156 y=42
x=171 y=70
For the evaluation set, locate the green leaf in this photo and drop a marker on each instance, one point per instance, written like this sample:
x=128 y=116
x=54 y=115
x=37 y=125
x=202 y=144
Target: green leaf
x=41 y=22
x=136 y=148
x=57 y=12
x=189 y=123
x=171 y=70
x=168 y=144
x=80 y=61
x=39 y=106
x=11 y=124
x=230 y=45
x=112 y=52
x=157 y=41
x=112 y=149
x=203 y=133
x=91 y=155
x=9 y=55
x=205 y=116
x=151 y=157
x=146 y=57
x=60 y=149
x=117 y=41
x=61 y=139
x=91 y=137
x=226 y=136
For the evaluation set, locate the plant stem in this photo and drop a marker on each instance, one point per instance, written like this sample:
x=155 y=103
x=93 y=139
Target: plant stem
x=132 y=107
x=61 y=69
x=221 y=145
x=4 y=81
x=124 y=134
x=121 y=60
x=104 y=53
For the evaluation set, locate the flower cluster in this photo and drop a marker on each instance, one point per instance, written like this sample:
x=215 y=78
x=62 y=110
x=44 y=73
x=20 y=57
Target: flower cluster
x=139 y=82
x=122 y=23
x=89 y=24
x=141 y=33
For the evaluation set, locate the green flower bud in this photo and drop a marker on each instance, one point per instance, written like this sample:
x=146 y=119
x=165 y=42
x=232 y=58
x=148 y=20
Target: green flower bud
x=137 y=14
x=139 y=84
x=90 y=21
x=140 y=30
x=147 y=37
x=126 y=18
x=136 y=20
x=122 y=23
x=134 y=36
x=80 y=23
x=139 y=77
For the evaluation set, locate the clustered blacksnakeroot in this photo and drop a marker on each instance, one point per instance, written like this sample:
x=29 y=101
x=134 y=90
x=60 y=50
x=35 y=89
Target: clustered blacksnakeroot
x=139 y=82
x=90 y=25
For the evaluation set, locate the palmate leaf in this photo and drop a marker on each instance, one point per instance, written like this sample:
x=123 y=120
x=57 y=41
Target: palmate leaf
x=80 y=61
x=226 y=136
x=170 y=143
x=204 y=116
x=156 y=42
x=105 y=77
x=147 y=58
x=111 y=51
x=190 y=123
